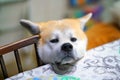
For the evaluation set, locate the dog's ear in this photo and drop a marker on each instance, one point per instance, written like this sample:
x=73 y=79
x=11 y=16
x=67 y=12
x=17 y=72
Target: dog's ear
x=84 y=19
x=32 y=27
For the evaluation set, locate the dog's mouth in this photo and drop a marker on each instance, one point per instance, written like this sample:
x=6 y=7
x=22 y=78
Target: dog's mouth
x=66 y=62
x=65 y=65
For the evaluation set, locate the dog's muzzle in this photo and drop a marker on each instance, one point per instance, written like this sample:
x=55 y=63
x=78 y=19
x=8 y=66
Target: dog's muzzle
x=67 y=47
x=67 y=50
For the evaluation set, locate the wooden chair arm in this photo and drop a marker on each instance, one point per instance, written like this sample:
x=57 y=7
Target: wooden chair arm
x=19 y=44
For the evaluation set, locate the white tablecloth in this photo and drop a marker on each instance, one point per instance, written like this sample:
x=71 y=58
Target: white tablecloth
x=101 y=63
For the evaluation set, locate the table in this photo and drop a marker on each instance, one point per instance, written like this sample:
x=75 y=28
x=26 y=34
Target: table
x=100 y=63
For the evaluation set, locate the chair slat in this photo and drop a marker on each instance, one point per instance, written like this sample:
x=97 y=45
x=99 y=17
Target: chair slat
x=3 y=67
x=17 y=57
x=39 y=61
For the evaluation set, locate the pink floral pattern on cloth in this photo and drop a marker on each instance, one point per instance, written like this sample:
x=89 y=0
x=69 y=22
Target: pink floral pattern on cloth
x=101 y=63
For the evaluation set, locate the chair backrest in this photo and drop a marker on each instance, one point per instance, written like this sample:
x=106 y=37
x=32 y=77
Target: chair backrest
x=14 y=47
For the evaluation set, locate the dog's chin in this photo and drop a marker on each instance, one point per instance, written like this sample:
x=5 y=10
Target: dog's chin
x=65 y=65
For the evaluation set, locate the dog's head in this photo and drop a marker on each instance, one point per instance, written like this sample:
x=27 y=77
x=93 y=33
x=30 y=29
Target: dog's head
x=62 y=42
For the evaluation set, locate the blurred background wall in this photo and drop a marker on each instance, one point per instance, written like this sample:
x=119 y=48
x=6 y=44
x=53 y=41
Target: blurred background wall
x=11 y=11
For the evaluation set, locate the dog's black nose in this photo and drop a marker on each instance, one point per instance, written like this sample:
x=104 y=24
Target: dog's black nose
x=67 y=47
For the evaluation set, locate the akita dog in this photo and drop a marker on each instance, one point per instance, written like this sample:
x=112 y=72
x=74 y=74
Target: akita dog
x=62 y=42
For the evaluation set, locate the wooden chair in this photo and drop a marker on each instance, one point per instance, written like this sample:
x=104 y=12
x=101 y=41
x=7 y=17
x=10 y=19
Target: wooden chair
x=14 y=47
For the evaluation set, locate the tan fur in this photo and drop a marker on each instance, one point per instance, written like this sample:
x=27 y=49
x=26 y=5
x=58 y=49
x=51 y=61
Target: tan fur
x=48 y=27
x=62 y=42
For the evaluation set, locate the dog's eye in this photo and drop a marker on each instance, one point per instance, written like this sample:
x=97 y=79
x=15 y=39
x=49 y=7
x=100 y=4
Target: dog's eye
x=54 y=40
x=73 y=39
